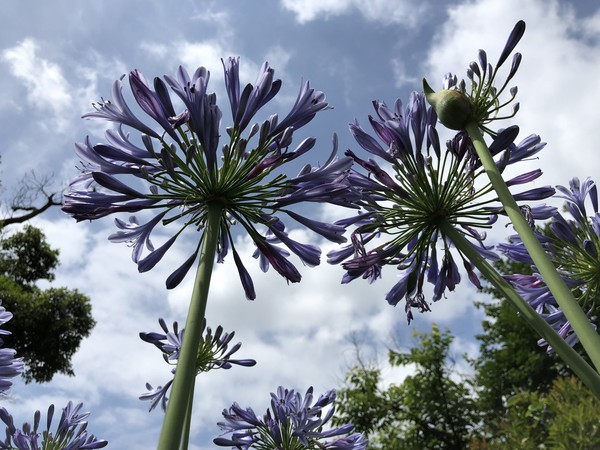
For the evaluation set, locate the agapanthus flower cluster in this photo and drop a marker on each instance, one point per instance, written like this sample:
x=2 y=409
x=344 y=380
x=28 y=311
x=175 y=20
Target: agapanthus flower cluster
x=293 y=422
x=182 y=169
x=483 y=102
x=420 y=190
x=573 y=244
x=70 y=434
x=10 y=366
x=213 y=353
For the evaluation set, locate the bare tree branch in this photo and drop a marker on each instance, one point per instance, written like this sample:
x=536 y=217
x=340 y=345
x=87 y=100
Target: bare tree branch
x=30 y=190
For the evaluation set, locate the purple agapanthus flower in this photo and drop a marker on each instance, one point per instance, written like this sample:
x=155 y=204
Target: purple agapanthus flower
x=415 y=192
x=213 y=353
x=70 y=434
x=293 y=421
x=573 y=244
x=10 y=366
x=179 y=167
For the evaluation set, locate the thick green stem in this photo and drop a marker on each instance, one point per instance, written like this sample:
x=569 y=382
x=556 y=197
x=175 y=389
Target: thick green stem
x=583 y=370
x=590 y=340
x=183 y=384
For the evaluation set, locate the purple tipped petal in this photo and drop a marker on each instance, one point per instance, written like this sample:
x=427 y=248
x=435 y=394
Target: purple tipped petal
x=307 y=104
x=118 y=111
x=154 y=257
x=244 y=276
x=332 y=232
x=368 y=143
x=151 y=103
x=178 y=275
x=525 y=178
x=514 y=38
x=535 y=194
x=278 y=261
x=113 y=184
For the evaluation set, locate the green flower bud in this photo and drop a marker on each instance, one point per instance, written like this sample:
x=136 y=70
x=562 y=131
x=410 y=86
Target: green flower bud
x=452 y=107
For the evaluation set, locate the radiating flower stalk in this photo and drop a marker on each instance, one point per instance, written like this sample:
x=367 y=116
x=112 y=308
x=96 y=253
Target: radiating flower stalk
x=427 y=189
x=472 y=112
x=70 y=434
x=213 y=353
x=293 y=422
x=190 y=185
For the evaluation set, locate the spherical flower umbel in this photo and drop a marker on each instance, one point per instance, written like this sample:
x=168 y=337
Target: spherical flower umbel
x=213 y=353
x=410 y=201
x=574 y=247
x=292 y=422
x=71 y=432
x=179 y=172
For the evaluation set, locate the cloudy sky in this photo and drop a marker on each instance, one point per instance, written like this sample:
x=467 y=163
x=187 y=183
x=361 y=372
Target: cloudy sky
x=58 y=57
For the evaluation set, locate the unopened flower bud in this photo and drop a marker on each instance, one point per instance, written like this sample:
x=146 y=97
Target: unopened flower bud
x=452 y=107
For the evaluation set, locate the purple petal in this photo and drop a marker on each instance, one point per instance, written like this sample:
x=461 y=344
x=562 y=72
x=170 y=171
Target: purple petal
x=178 y=275
x=244 y=276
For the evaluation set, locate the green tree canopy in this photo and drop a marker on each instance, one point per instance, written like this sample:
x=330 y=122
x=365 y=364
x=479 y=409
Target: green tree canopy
x=510 y=361
x=48 y=325
x=428 y=410
x=519 y=396
x=26 y=257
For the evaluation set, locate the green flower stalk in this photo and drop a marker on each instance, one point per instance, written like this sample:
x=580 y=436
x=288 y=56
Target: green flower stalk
x=178 y=174
x=472 y=112
x=584 y=371
x=590 y=340
x=179 y=410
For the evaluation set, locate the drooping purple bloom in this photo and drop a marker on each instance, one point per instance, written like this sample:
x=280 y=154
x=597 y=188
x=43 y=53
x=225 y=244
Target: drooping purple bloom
x=293 y=421
x=213 y=353
x=70 y=434
x=177 y=167
x=573 y=244
x=418 y=192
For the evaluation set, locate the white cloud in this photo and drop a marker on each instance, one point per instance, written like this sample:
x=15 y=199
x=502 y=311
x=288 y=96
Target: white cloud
x=387 y=12
x=46 y=86
x=401 y=75
x=591 y=26
x=46 y=99
x=556 y=80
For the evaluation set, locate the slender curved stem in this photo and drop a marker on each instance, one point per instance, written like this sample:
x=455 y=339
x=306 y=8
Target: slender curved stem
x=185 y=440
x=180 y=403
x=590 y=340
x=583 y=370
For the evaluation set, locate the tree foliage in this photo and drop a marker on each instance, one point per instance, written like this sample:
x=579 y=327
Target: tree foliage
x=427 y=410
x=26 y=257
x=566 y=417
x=510 y=362
x=518 y=396
x=25 y=204
x=48 y=324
